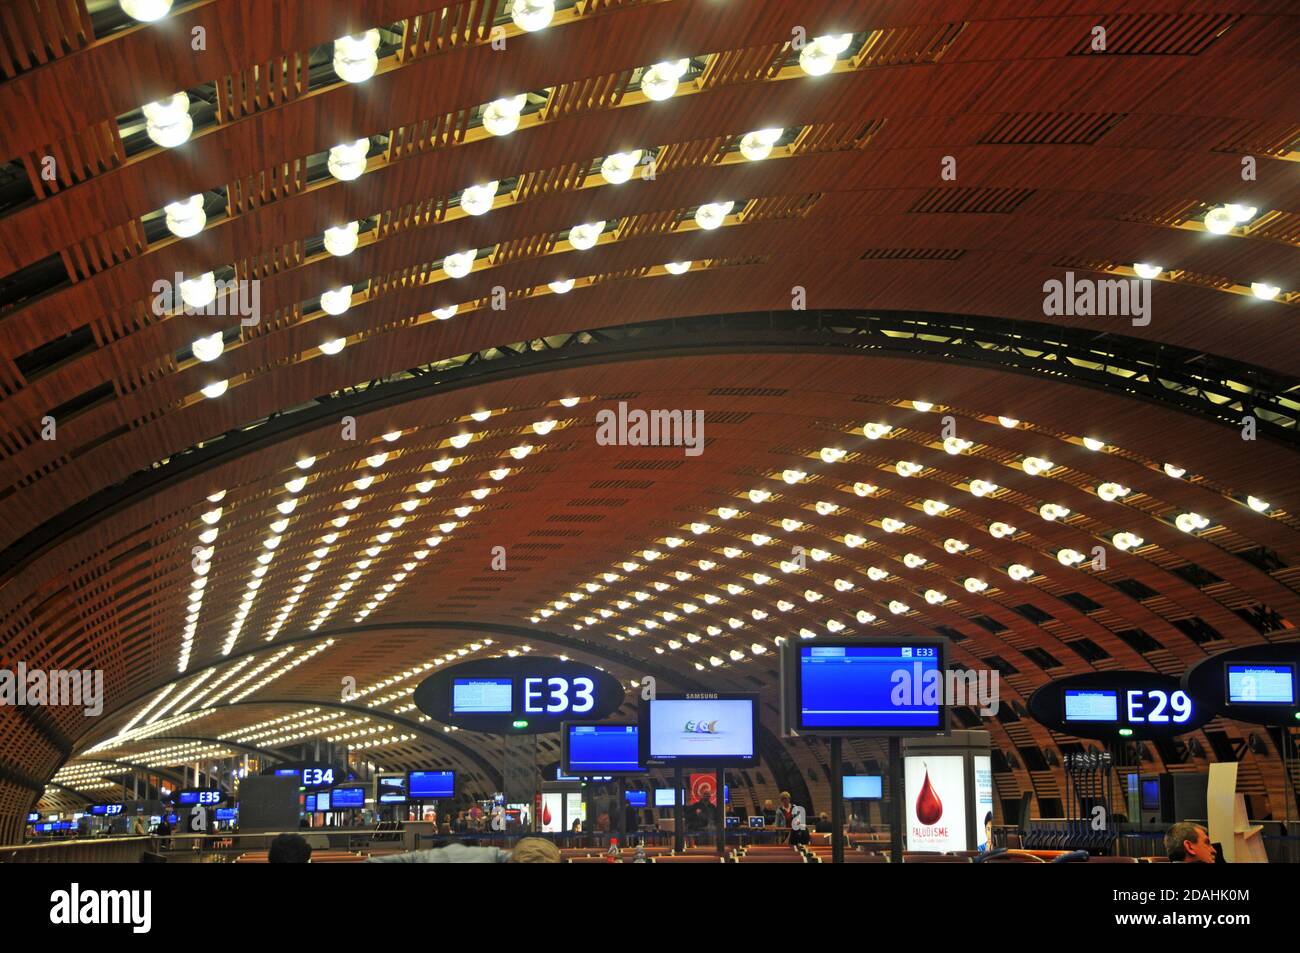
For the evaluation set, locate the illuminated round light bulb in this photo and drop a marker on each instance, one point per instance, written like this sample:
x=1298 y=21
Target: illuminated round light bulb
x=759 y=496
x=1001 y=530
x=146 y=11
x=1191 y=522
x=215 y=389
x=758 y=648
x=1110 y=492
x=1009 y=422
x=333 y=346
x=1220 y=220
x=864 y=489
x=211 y=516
x=699 y=528
x=186 y=217
x=876 y=431
x=1053 y=511
x=543 y=427
x=677 y=267
x=935 y=597
x=819 y=555
x=907 y=468
x=934 y=507
x=853 y=541
x=727 y=512
x=304 y=463
x=561 y=286
x=1069 y=557
x=200 y=291
x=168 y=123
x=356 y=57
x=459 y=264
x=865 y=617
x=711 y=215
x=208 y=348
x=824 y=508
x=760 y=539
x=1126 y=541
x=955 y=445
x=347 y=160
x=461 y=440
x=973 y=585
x=336 y=301
x=1241 y=213
x=478 y=199
x=982 y=487
x=843 y=585
x=442 y=314
x=790 y=525
x=913 y=561
x=342 y=239
x=818 y=57
x=899 y=608
x=1147 y=270
x=1173 y=471
x=955 y=546
x=1036 y=466
x=674 y=541
x=890 y=525
x=876 y=574
x=1019 y=572
x=585 y=236
x=834 y=625
x=812 y=595
x=619 y=166
x=533 y=15
x=521 y=451
x=1258 y=505
x=659 y=82
x=756 y=146
x=286 y=506
x=793 y=476
x=832 y=454
x=501 y=116
x=1264 y=291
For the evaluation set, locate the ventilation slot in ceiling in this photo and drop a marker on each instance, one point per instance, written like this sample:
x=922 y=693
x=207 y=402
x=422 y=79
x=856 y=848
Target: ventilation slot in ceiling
x=971 y=201
x=1157 y=34
x=1078 y=129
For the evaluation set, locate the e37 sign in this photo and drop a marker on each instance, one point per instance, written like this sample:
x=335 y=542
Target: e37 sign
x=528 y=694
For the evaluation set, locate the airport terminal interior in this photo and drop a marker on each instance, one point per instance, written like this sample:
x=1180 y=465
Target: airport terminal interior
x=649 y=431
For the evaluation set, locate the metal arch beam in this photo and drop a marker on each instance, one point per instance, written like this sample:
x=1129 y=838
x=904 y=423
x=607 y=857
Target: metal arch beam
x=1177 y=378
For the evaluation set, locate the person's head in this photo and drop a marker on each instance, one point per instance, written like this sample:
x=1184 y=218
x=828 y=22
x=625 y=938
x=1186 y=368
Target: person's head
x=785 y=799
x=535 y=850
x=289 y=849
x=768 y=805
x=1189 y=843
x=988 y=828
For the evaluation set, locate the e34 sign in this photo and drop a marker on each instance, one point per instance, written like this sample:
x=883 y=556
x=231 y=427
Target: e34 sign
x=528 y=694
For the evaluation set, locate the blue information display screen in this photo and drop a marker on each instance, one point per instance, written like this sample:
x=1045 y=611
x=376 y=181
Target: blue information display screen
x=636 y=798
x=870 y=687
x=1091 y=705
x=862 y=787
x=431 y=784
x=482 y=696
x=599 y=749
x=1261 y=684
x=227 y=814
x=347 y=798
x=309 y=804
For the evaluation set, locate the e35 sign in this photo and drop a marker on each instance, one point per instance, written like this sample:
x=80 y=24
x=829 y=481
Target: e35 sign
x=527 y=694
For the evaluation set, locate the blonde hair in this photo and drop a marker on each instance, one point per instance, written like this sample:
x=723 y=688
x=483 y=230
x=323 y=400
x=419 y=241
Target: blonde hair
x=535 y=850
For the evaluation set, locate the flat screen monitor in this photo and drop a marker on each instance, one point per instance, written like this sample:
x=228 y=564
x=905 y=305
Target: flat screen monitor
x=862 y=787
x=706 y=730
x=1261 y=683
x=98 y=809
x=636 y=798
x=286 y=772
x=1092 y=704
x=664 y=797
x=1150 y=798
x=756 y=820
x=591 y=749
x=322 y=801
x=309 y=804
x=227 y=813
x=348 y=798
x=391 y=790
x=848 y=687
x=733 y=820
x=482 y=696
x=428 y=785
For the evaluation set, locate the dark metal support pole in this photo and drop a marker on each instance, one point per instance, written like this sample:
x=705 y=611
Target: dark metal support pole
x=721 y=801
x=897 y=809
x=679 y=835
x=837 y=802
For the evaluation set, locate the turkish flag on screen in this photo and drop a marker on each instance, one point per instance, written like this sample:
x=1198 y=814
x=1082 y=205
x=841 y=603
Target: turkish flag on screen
x=704 y=787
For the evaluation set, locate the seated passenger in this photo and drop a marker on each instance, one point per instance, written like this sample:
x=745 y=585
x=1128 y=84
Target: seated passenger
x=1188 y=843
x=289 y=849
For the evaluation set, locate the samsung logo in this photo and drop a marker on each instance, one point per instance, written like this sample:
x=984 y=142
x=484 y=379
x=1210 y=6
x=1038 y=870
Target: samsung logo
x=75 y=906
x=702 y=695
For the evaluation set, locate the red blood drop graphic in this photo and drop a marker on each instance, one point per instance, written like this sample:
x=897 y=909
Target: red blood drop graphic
x=928 y=806
x=546 y=814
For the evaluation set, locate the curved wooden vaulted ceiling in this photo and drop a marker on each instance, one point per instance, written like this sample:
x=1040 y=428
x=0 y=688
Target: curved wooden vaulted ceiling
x=850 y=280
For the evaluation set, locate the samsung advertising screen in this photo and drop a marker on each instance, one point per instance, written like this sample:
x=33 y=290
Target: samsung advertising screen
x=1091 y=705
x=427 y=785
x=862 y=787
x=348 y=798
x=482 y=696
x=935 y=794
x=1261 y=683
x=894 y=687
x=636 y=798
x=390 y=789
x=600 y=749
x=701 y=729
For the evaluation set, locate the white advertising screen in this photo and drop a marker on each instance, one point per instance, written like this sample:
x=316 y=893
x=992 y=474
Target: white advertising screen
x=552 y=811
x=935 y=792
x=983 y=796
x=690 y=728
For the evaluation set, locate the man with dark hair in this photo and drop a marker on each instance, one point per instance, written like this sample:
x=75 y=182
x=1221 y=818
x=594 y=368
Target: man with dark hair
x=289 y=849
x=988 y=832
x=1188 y=843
